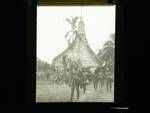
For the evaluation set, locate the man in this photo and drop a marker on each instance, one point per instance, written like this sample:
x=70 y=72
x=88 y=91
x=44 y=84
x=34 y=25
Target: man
x=101 y=80
x=109 y=82
x=47 y=75
x=75 y=82
x=83 y=79
x=102 y=76
x=95 y=79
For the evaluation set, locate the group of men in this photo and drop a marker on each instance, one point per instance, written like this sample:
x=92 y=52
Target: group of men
x=79 y=80
x=101 y=77
x=77 y=77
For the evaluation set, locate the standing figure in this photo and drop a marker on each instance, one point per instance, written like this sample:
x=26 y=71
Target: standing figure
x=83 y=79
x=47 y=76
x=109 y=81
x=75 y=82
x=101 y=80
x=95 y=79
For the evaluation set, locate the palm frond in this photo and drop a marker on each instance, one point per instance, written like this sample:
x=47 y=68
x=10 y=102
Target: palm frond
x=75 y=20
x=66 y=35
x=74 y=33
x=68 y=20
x=108 y=43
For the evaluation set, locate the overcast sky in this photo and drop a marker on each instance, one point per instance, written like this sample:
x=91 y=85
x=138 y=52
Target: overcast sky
x=51 y=27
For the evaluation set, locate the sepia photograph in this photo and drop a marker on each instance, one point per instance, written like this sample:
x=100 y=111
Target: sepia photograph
x=75 y=53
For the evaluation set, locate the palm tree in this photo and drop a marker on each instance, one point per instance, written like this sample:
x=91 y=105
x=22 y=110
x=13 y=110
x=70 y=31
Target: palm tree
x=107 y=53
x=73 y=30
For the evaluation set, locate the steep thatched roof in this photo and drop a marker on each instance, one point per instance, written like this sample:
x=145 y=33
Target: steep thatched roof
x=80 y=50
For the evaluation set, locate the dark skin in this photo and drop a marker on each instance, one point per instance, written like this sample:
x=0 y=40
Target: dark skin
x=95 y=82
x=75 y=84
x=48 y=76
x=109 y=84
x=95 y=79
x=82 y=80
x=101 y=79
x=75 y=80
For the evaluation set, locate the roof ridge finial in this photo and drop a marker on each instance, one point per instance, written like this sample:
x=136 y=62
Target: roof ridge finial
x=81 y=25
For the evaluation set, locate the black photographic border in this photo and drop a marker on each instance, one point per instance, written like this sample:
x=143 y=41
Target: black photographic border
x=121 y=89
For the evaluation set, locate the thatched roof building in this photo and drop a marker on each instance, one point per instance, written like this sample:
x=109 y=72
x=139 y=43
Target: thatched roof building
x=80 y=50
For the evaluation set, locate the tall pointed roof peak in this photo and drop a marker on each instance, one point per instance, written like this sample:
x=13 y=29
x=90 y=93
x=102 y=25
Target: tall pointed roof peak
x=81 y=25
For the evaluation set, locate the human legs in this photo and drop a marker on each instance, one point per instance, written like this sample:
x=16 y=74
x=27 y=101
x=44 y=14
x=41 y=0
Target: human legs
x=77 y=89
x=72 y=91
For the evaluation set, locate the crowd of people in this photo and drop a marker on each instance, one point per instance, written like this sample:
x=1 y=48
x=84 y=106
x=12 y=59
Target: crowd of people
x=78 y=77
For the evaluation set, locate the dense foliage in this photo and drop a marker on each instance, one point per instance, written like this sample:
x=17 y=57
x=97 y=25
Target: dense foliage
x=107 y=54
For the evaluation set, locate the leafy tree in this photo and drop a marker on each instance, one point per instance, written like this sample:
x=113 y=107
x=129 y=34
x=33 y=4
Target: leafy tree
x=42 y=66
x=107 y=53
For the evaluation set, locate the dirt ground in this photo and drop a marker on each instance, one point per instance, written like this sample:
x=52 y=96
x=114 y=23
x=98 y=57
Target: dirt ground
x=46 y=92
